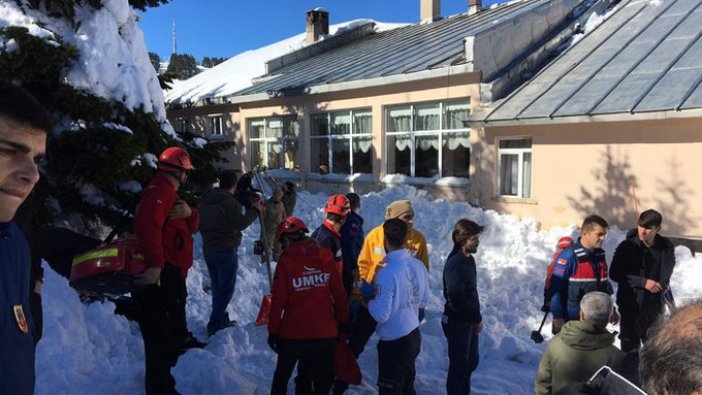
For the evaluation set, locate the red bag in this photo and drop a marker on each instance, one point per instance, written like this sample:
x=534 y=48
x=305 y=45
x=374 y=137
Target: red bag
x=108 y=268
x=264 y=311
x=345 y=365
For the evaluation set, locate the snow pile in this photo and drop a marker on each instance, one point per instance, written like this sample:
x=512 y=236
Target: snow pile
x=237 y=72
x=86 y=349
x=113 y=61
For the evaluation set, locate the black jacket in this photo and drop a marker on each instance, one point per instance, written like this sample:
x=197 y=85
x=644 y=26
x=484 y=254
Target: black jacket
x=461 y=289
x=221 y=221
x=629 y=267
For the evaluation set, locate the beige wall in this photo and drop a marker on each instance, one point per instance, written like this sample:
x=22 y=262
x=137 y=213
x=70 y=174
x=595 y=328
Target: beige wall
x=580 y=169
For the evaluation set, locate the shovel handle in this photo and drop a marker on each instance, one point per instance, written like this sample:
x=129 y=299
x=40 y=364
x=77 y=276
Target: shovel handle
x=543 y=321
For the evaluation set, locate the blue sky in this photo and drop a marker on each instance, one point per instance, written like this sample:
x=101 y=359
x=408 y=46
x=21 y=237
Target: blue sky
x=224 y=28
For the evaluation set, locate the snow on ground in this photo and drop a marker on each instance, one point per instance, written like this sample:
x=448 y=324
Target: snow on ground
x=86 y=349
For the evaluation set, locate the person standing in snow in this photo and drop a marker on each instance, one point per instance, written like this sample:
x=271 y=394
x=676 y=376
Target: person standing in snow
x=351 y=241
x=642 y=266
x=581 y=347
x=579 y=269
x=401 y=290
x=462 y=321
x=221 y=225
x=24 y=124
x=328 y=233
x=164 y=225
x=289 y=198
x=274 y=216
x=308 y=308
x=369 y=263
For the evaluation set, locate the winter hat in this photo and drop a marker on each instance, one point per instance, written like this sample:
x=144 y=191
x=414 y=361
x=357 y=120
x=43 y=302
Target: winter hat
x=398 y=208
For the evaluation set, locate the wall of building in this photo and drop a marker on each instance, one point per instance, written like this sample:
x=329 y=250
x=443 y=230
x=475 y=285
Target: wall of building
x=579 y=169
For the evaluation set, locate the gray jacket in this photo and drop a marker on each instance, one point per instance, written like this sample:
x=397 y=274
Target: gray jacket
x=221 y=221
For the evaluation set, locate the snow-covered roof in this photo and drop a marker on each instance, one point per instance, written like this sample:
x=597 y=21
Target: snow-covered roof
x=643 y=61
x=238 y=71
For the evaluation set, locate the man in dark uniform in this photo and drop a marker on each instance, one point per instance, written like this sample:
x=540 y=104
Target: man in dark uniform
x=642 y=266
x=578 y=270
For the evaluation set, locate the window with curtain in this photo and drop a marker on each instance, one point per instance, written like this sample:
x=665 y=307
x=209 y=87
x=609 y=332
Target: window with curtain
x=428 y=139
x=514 y=173
x=341 y=142
x=183 y=124
x=216 y=125
x=274 y=141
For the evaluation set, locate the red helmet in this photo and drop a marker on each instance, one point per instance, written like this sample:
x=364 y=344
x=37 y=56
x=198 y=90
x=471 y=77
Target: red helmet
x=290 y=225
x=338 y=204
x=174 y=158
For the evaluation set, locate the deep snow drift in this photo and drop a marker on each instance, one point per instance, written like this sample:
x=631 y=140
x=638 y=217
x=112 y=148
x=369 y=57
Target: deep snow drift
x=87 y=349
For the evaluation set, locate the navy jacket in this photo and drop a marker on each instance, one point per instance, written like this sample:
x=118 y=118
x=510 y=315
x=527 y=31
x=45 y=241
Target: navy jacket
x=16 y=335
x=351 y=243
x=461 y=289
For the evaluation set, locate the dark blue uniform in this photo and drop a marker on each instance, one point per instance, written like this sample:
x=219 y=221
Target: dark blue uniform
x=351 y=244
x=576 y=272
x=16 y=324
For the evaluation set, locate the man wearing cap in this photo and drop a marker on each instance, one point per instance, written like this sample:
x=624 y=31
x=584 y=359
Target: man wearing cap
x=369 y=262
x=327 y=234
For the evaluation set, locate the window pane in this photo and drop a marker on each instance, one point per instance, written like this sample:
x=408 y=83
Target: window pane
x=399 y=155
x=515 y=143
x=455 y=114
x=363 y=154
x=508 y=174
x=275 y=155
x=399 y=119
x=426 y=156
x=320 y=125
x=275 y=127
x=362 y=122
x=341 y=156
x=341 y=123
x=291 y=127
x=320 y=155
x=256 y=128
x=456 y=155
x=290 y=153
x=526 y=175
x=426 y=117
x=257 y=153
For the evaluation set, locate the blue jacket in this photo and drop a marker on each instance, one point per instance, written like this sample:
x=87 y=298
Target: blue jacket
x=461 y=289
x=351 y=244
x=16 y=334
x=576 y=272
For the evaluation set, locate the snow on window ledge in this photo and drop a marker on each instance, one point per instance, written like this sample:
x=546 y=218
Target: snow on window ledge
x=356 y=177
x=514 y=199
x=394 y=179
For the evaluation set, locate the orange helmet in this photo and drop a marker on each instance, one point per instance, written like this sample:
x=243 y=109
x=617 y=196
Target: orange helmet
x=174 y=158
x=338 y=204
x=290 y=225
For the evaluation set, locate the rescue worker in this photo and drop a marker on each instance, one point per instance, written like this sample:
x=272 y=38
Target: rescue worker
x=274 y=215
x=579 y=269
x=327 y=234
x=164 y=226
x=308 y=307
x=289 y=198
x=351 y=241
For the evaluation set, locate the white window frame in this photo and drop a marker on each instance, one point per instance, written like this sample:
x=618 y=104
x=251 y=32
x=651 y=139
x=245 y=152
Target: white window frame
x=520 y=166
x=266 y=140
x=440 y=132
x=329 y=137
x=216 y=125
x=184 y=125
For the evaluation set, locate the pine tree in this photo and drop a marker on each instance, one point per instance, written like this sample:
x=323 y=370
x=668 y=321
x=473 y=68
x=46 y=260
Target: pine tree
x=182 y=66
x=155 y=61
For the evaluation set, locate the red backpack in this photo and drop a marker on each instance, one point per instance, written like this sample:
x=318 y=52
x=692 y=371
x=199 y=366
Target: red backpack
x=563 y=243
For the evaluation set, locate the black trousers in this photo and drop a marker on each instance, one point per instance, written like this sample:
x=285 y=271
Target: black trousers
x=161 y=319
x=396 y=358
x=361 y=331
x=315 y=371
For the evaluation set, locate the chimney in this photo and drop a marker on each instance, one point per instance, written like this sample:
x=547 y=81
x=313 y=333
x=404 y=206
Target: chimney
x=317 y=24
x=429 y=10
x=474 y=6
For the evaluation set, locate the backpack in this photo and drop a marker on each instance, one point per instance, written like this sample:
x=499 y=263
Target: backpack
x=563 y=243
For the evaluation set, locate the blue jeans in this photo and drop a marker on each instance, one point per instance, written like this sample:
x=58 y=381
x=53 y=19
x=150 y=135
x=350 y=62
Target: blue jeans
x=463 y=355
x=222 y=267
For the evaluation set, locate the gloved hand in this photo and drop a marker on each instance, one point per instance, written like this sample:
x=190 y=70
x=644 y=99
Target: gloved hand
x=150 y=276
x=354 y=308
x=367 y=290
x=421 y=314
x=273 y=342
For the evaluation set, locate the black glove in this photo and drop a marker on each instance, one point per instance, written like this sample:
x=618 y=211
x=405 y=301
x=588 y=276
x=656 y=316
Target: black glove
x=273 y=342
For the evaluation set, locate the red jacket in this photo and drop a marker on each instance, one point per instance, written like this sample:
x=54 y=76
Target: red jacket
x=172 y=242
x=309 y=299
